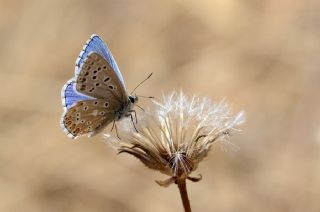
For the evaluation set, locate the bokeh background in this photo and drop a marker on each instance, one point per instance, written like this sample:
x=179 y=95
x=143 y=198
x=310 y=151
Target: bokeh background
x=261 y=55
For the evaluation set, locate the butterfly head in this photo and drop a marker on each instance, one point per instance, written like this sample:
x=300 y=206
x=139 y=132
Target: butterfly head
x=133 y=99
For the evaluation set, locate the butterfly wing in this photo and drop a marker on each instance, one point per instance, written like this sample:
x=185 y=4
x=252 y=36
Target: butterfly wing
x=70 y=96
x=92 y=99
x=88 y=117
x=98 y=79
x=95 y=44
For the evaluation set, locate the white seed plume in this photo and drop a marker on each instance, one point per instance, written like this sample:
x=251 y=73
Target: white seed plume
x=175 y=134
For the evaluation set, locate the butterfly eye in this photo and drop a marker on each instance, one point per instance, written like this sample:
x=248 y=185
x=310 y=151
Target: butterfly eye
x=132 y=100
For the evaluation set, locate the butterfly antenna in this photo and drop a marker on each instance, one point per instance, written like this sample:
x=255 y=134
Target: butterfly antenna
x=150 y=97
x=141 y=83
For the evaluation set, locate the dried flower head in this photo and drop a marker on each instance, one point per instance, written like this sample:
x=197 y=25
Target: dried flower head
x=174 y=135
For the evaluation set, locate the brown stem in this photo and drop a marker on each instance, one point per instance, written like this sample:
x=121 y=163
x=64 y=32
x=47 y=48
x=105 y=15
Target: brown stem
x=181 y=182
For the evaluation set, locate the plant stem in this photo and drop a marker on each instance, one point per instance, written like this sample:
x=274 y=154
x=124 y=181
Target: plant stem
x=181 y=182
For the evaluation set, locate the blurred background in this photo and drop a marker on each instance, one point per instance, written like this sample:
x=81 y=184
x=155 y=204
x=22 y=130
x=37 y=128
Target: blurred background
x=262 y=56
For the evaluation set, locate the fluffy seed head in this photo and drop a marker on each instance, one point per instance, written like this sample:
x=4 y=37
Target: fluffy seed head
x=175 y=134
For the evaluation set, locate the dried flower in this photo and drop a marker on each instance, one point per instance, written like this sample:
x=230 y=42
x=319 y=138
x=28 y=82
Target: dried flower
x=176 y=134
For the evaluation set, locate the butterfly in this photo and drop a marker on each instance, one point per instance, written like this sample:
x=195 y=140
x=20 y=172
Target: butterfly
x=97 y=95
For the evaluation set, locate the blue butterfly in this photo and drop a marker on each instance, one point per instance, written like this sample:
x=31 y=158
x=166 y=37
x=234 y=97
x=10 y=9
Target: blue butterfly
x=97 y=95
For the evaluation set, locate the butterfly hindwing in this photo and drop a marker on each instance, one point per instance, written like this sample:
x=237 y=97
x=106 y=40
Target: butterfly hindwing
x=88 y=117
x=98 y=79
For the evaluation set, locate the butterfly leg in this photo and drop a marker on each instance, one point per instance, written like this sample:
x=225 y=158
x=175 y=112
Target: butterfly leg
x=131 y=116
x=115 y=126
x=135 y=115
x=140 y=108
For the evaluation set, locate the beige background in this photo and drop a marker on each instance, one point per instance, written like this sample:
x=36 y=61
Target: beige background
x=262 y=56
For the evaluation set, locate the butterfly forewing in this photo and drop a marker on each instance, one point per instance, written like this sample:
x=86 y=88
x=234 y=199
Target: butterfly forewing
x=95 y=44
x=98 y=79
x=69 y=95
x=88 y=116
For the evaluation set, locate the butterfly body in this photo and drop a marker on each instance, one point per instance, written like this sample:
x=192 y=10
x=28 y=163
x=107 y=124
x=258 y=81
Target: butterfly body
x=127 y=108
x=96 y=96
